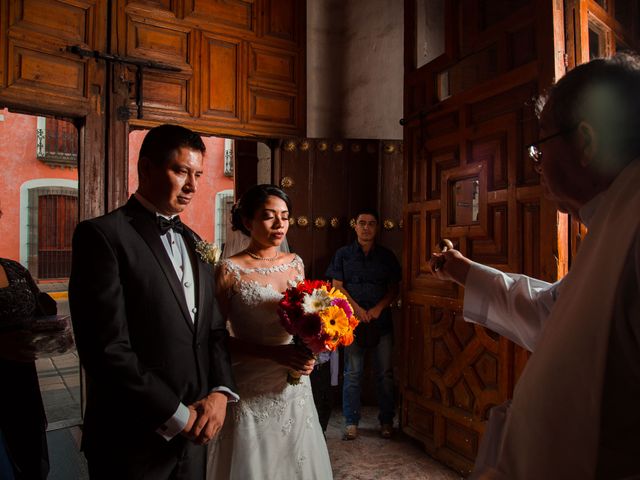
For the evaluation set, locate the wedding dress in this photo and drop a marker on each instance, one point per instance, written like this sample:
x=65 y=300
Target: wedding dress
x=273 y=432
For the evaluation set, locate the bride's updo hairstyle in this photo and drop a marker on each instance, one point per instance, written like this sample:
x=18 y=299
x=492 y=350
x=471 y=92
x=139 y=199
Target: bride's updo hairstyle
x=251 y=201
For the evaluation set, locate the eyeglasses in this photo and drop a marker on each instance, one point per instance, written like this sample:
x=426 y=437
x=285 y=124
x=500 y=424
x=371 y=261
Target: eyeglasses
x=535 y=154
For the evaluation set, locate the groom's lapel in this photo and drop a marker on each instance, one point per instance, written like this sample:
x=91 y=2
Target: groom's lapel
x=144 y=223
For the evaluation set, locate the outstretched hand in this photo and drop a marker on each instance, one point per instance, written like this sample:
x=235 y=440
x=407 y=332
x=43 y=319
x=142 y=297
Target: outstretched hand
x=206 y=417
x=450 y=265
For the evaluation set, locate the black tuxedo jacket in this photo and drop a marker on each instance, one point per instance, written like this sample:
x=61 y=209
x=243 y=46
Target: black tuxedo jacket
x=140 y=349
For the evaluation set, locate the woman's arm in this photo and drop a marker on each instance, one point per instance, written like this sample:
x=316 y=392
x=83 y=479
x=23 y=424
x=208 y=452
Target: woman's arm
x=290 y=356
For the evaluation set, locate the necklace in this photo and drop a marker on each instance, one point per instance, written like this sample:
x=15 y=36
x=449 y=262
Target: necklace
x=258 y=257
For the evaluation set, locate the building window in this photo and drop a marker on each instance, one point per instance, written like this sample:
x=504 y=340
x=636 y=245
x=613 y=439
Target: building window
x=228 y=157
x=56 y=142
x=53 y=216
x=224 y=202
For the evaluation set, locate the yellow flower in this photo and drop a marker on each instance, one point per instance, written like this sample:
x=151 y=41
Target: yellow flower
x=334 y=321
x=335 y=293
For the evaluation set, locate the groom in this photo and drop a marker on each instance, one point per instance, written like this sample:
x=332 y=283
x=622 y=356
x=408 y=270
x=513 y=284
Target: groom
x=148 y=330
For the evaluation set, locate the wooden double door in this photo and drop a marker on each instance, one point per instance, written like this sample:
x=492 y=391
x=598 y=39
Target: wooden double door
x=470 y=113
x=225 y=67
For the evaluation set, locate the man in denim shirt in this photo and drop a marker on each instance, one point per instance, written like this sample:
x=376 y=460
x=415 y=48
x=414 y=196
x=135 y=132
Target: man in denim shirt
x=368 y=274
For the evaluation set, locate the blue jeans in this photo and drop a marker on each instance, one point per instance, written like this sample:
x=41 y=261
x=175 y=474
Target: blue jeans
x=353 y=369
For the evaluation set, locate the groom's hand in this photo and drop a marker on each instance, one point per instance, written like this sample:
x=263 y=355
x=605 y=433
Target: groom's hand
x=211 y=411
x=193 y=415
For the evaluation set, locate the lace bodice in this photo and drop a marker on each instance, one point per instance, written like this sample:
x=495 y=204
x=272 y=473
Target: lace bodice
x=254 y=294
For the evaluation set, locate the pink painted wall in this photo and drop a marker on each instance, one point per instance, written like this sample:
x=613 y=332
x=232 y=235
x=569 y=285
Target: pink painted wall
x=18 y=164
x=201 y=214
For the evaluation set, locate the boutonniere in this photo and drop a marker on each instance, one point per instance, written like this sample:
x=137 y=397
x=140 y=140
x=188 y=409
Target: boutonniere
x=209 y=252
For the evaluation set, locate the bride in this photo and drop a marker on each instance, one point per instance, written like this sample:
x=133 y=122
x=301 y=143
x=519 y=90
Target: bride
x=273 y=431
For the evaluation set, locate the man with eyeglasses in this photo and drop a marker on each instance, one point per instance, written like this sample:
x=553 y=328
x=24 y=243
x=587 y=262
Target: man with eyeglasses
x=574 y=412
x=368 y=274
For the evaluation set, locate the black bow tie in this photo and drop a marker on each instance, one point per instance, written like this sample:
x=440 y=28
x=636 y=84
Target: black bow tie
x=164 y=224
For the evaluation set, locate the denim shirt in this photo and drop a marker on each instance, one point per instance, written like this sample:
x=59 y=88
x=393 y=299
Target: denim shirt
x=367 y=278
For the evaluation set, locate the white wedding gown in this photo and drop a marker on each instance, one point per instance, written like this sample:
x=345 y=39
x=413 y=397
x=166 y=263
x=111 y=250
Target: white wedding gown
x=273 y=432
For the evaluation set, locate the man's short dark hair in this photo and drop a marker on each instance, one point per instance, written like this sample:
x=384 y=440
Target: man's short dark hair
x=620 y=76
x=368 y=211
x=161 y=142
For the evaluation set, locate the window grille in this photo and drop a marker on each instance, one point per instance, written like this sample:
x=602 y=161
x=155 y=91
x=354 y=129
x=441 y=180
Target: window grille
x=53 y=216
x=228 y=157
x=224 y=202
x=56 y=142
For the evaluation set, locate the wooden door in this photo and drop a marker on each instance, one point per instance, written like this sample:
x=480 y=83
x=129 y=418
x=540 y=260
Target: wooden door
x=328 y=182
x=39 y=75
x=57 y=219
x=469 y=115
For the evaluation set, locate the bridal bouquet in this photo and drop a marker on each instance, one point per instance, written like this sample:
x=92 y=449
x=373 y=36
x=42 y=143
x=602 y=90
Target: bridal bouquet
x=318 y=316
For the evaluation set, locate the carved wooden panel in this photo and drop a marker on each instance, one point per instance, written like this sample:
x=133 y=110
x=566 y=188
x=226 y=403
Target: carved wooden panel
x=417 y=173
x=166 y=92
x=459 y=373
x=469 y=179
x=163 y=42
x=272 y=107
x=221 y=75
x=272 y=65
x=416 y=337
x=240 y=14
x=69 y=22
x=441 y=160
x=423 y=233
x=157 y=4
x=390 y=198
x=530 y=231
x=35 y=34
x=294 y=176
x=279 y=20
x=29 y=67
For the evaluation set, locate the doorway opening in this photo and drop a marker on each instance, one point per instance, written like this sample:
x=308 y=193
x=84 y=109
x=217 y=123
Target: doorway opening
x=39 y=185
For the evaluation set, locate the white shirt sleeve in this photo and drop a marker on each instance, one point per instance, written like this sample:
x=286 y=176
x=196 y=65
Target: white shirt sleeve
x=513 y=305
x=174 y=425
x=232 y=397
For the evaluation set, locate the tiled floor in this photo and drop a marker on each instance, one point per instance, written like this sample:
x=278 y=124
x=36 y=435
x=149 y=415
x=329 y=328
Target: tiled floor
x=60 y=386
x=370 y=457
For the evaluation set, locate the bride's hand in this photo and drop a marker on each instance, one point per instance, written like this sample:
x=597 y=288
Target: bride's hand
x=293 y=357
